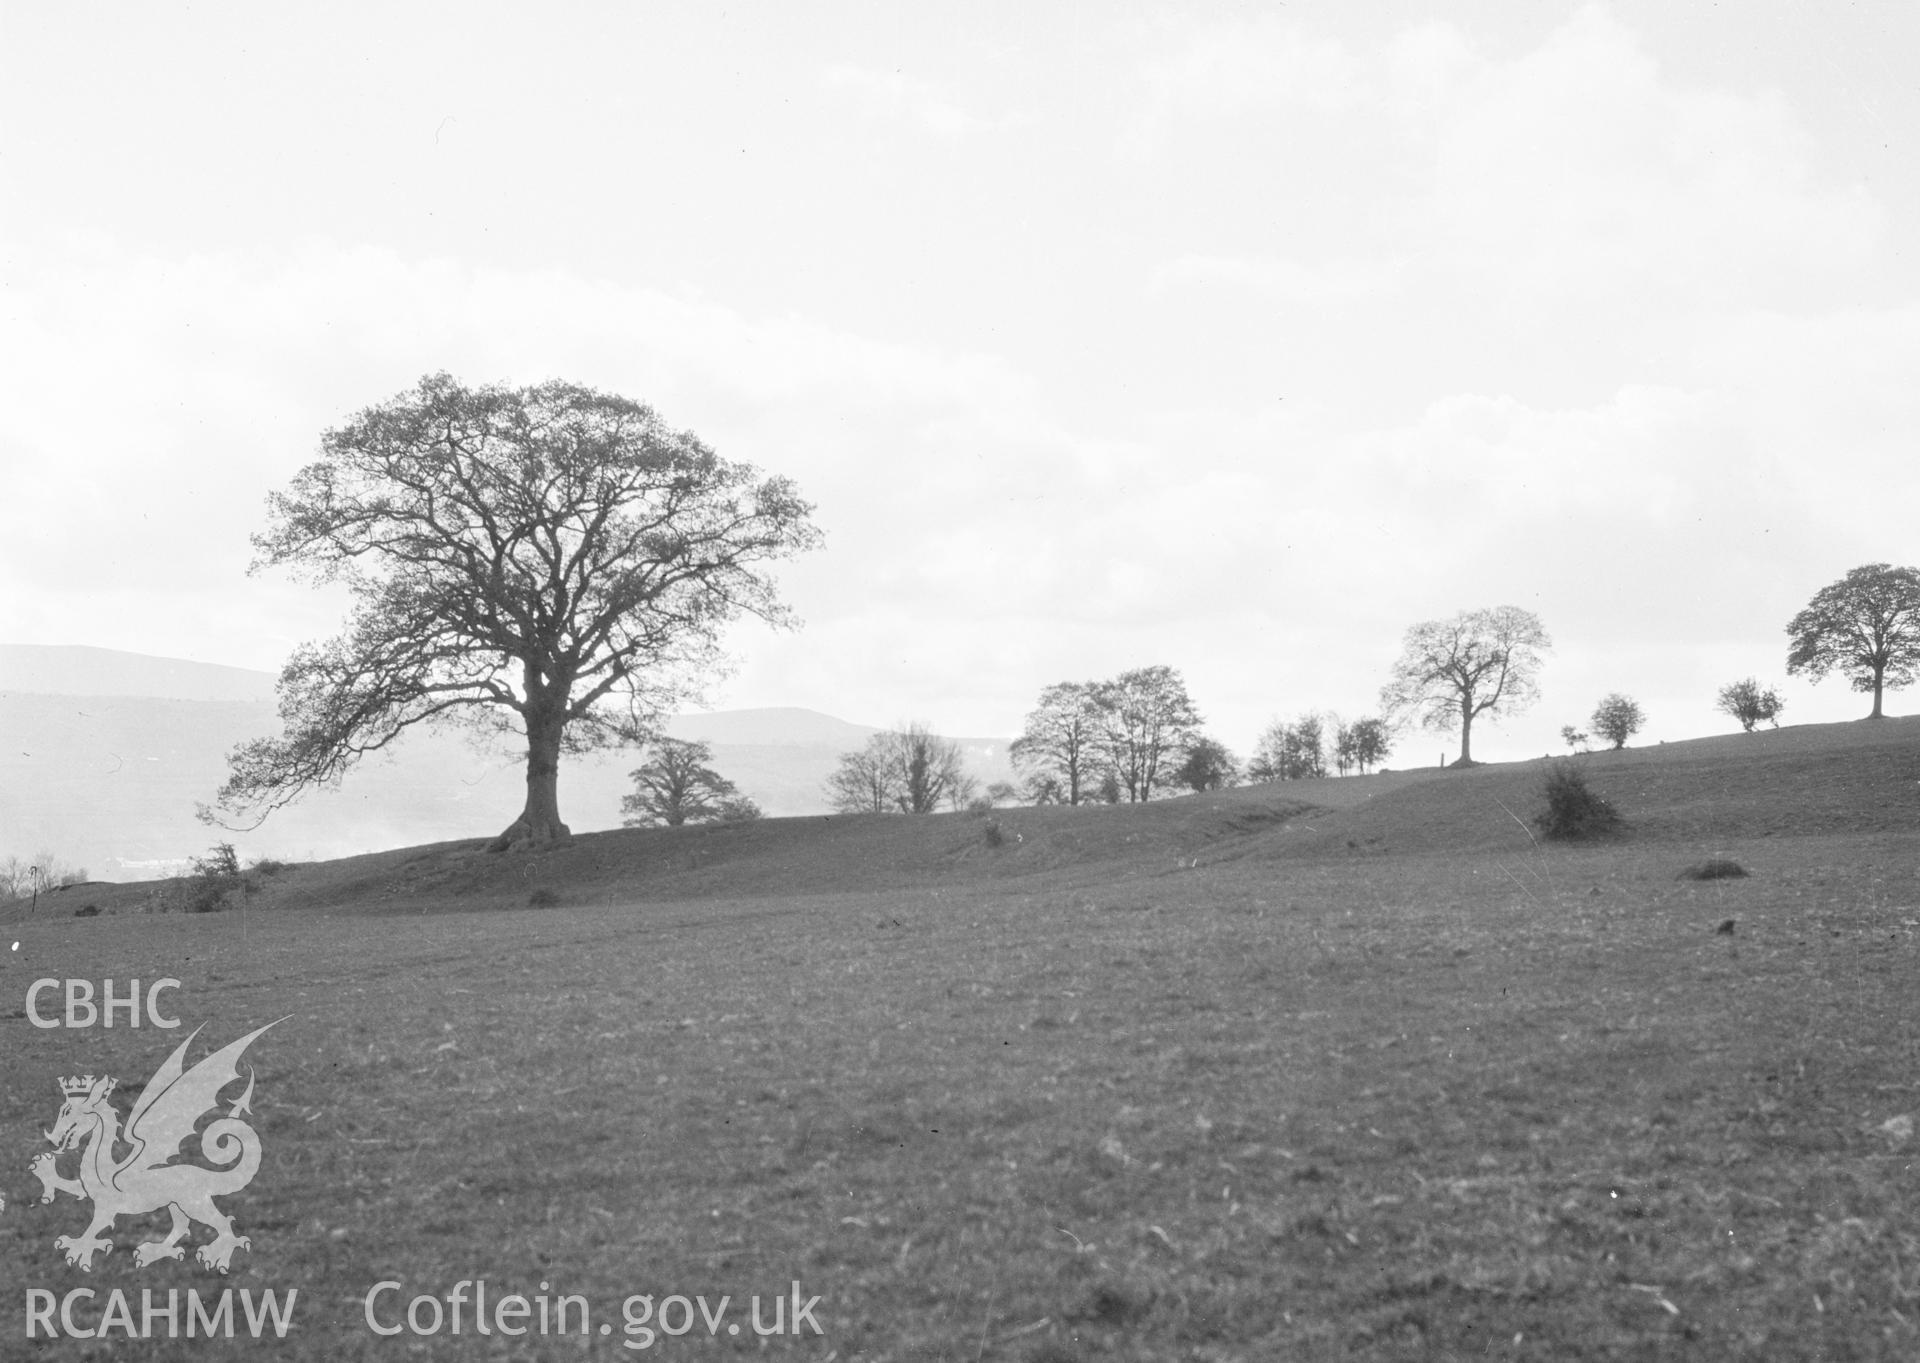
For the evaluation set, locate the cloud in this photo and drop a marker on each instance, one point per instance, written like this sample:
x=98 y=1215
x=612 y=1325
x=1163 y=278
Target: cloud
x=1289 y=281
x=895 y=95
x=1578 y=169
x=158 y=400
x=1228 y=68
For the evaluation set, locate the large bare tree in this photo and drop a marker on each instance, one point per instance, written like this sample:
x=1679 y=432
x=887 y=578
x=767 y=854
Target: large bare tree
x=551 y=561
x=1451 y=672
x=1147 y=721
x=1062 y=739
x=911 y=770
x=1866 y=626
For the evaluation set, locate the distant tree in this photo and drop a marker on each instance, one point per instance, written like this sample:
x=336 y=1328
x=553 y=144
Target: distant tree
x=1208 y=766
x=1147 y=720
x=1617 y=718
x=740 y=809
x=1304 y=753
x=1866 y=626
x=866 y=781
x=548 y=561
x=932 y=770
x=21 y=878
x=1109 y=791
x=1044 y=788
x=908 y=771
x=1342 y=746
x=676 y=786
x=1451 y=672
x=1371 y=743
x=1574 y=738
x=1063 y=739
x=1749 y=702
x=1002 y=793
x=1290 y=752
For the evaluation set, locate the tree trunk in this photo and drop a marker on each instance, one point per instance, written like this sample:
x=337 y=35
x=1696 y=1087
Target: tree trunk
x=539 y=823
x=1466 y=735
x=1879 y=683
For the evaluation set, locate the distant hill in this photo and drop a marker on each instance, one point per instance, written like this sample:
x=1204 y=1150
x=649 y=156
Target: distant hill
x=75 y=670
x=104 y=754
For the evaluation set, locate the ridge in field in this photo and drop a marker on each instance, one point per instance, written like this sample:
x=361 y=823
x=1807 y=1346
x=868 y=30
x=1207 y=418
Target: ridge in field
x=1682 y=801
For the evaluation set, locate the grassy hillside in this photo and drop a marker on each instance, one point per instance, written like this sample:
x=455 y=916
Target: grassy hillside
x=1345 y=1069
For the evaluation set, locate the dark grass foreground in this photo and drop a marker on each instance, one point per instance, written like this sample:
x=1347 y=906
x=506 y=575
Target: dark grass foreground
x=1203 y=1083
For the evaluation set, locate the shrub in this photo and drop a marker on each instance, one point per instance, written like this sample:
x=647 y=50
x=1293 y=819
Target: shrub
x=215 y=878
x=1716 y=868
x=994 y=835
x=980 y=806
x=269 y=866
x=1573 y=812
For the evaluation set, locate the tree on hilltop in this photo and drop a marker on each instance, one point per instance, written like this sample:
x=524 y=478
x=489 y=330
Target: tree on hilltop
x=1147 y=722
x=1371 y=742
x=1866 y=626
x=1749 y=702
x=551 y=562
x=1452 y=672
x=1207 y=766
x=1617 y=718
x=1060 y=747
x=908 y=771
x=676 y=786
x=1290 y=752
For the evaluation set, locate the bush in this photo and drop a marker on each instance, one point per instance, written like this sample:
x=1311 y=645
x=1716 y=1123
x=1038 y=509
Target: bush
x=1750 y=703
x=1573 y=812
x=980 y=806
x=994 y=835
x=216 y=876
x=1718 y=868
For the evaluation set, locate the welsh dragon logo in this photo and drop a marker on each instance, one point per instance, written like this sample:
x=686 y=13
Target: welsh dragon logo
x=145 y=1179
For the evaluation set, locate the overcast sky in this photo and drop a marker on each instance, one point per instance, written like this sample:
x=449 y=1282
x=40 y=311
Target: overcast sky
x=1237 y=338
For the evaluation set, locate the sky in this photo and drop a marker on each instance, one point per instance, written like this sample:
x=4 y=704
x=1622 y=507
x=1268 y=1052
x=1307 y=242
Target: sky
x=1237 y=338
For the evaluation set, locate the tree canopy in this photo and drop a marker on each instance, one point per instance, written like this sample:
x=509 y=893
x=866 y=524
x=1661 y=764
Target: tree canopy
x=550 y=561
x=908 y=771
x=675 y=786
x=1749 y=702
x=1866 y=626
x=1451 y=672
x=1290 y=752
x=1208 y=766
x=1060 y=747
x=1617 y=718
x=1147 y=721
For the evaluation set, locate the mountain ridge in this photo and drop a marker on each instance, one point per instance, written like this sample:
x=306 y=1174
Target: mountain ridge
x=108 y=777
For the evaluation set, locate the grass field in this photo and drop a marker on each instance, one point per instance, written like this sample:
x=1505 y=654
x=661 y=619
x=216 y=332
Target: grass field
x=1329 y=1070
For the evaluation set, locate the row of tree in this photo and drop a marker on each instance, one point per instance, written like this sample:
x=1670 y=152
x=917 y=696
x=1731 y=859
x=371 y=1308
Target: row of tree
x=560 y=563
x=21 y=877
